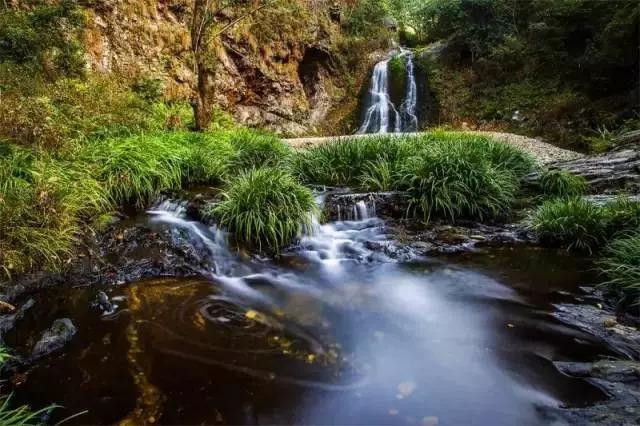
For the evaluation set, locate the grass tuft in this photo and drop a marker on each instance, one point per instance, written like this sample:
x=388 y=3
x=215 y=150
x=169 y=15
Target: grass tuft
x=257 y=149
x=621 y=266
x=557 y=183
x=265 y=208
x=574 y=222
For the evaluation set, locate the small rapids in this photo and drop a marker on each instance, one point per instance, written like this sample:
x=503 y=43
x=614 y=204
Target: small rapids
x=336 y=330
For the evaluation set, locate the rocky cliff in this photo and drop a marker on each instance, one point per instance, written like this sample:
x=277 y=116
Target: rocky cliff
x=283 y=68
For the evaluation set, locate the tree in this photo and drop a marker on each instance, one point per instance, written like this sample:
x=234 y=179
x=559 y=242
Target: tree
x=204 y=31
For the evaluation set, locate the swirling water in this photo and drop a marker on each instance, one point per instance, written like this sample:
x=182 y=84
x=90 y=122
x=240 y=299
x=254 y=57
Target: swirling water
x=335 y=331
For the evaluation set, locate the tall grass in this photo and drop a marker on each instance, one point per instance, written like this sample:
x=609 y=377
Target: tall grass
x=265 y=208
x=450 y=180
x=560 y=183
x=580 y=224
x=621 y=265
x=257 y=149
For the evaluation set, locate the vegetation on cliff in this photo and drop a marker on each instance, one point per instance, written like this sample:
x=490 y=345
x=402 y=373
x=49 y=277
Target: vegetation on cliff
x=562 y=69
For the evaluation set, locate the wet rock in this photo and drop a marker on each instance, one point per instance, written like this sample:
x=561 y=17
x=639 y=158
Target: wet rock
x=7 y=322
x=602 y=324
x=606 y=173
x=103 y=303
x=619 y=379
x=354 y=206
x=55 y=338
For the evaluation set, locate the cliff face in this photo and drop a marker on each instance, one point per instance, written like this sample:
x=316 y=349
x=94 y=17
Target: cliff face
x=280 y=69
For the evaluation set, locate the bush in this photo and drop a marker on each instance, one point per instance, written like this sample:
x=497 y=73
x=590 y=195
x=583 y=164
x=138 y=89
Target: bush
x=345 y=162
x=557 y=183
x=256 y=149
x=265 y=207
x=452 y=181
x=42 y=203
x=621 y=265
x=575 y=223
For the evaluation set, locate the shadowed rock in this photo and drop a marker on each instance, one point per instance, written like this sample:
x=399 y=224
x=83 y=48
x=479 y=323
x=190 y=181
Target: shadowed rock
x=55 y=338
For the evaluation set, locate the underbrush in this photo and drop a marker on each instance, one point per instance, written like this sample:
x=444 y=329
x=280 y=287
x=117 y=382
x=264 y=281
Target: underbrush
x=47 y=200
x=265 y=207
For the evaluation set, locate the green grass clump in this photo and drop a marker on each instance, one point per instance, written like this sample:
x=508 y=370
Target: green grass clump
x=136 y=169
x=265 y=208
x=574 y=222
x=559 y=183
x=257 y=149
x=622 y=215
x=621 y=266
x=450 y=180
x=42 y=203
x=346 y=162
x=209 y=159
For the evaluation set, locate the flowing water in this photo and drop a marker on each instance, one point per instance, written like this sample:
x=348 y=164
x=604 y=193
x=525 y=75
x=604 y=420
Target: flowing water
x=332 y=332
x=381 y=115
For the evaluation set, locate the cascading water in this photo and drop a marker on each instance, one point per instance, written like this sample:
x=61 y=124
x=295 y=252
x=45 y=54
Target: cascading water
x=381 y=114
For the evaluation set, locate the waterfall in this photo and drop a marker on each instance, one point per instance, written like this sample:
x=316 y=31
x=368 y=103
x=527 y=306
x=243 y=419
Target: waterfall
x=381 y=114
x=377 y=117
x=408 y=107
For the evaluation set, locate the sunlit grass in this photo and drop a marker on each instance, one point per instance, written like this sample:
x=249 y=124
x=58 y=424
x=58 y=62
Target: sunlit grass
x=559 y=183
x=265 y=208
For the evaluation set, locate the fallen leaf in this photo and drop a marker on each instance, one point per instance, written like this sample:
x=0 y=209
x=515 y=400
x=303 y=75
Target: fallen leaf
x=251 y=314
x=405 y=389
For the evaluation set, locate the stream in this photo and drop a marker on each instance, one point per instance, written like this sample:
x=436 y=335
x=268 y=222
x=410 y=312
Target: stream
x=331 y=332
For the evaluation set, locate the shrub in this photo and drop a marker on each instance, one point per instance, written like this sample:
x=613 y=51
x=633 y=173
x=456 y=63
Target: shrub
x=256 y=149
x=41 y=206
x=451 y=181
x=622 y=215
x=265 y=207
x=344 y=162
x=209 y=160
x=136 y=169
x=621 y=265
x=557 y=183
x=573 y=222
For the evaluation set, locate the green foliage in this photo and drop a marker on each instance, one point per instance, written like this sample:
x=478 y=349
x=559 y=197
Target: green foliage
x=210 y=159
x=564 y=65
x=452 y=180
x=42 y=202
x=601 y=140
x=257 y=149
x=450 y=174
x=583 y=225
x=621 y=266
x=45 y=38
x=574 y=222
x=265 y=207
x=149 y=89
x=344 y=162
x=557 y=183
x=62 y=114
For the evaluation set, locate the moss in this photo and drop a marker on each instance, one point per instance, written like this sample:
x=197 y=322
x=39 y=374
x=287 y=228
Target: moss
x=397 y=78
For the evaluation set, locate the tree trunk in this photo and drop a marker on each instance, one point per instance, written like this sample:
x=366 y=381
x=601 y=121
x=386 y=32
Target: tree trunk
x=202 y=100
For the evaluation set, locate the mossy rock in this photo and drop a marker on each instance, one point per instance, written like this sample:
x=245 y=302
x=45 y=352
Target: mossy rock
x=397 y=79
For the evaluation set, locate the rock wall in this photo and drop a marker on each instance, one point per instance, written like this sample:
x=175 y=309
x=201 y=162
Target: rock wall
x=280 y=69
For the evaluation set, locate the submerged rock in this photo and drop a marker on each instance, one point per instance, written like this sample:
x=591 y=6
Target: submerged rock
x=619 y=379
x=7 y=322
x=55 y=338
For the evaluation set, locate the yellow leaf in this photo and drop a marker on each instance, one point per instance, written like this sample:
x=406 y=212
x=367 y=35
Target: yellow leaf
x=251 y=314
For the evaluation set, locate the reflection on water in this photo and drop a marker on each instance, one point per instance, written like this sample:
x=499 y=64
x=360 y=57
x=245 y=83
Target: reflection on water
x=334 y=333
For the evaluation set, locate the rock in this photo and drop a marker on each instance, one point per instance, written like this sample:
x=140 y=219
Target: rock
x=7 y=322
x=55 y=338
x=355 y=206
x=103 y=303
x=611 y=172
x=602 y=324
x=619 y=379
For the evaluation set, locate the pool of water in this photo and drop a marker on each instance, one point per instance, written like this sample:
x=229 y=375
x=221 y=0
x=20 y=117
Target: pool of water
x=331 y=333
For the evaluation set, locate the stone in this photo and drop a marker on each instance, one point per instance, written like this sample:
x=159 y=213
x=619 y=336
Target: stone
x=55 y=338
